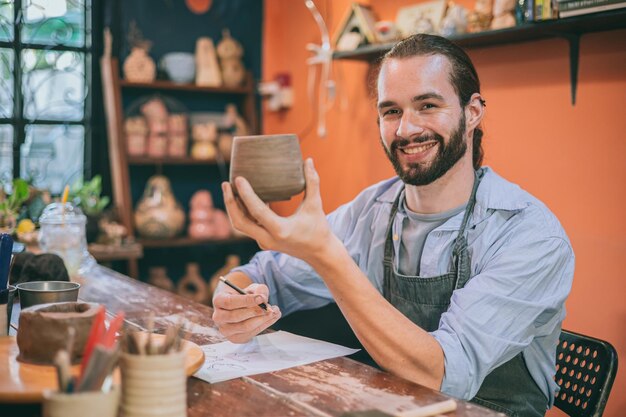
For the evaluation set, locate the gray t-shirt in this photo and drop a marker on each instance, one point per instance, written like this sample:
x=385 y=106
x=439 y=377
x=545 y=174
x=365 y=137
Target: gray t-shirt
x=415 y=229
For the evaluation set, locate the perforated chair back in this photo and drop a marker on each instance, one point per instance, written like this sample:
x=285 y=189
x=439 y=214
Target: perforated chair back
x=585 y=370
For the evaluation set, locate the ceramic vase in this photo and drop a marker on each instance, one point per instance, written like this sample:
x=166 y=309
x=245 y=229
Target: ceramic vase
x=139 y=67
x=192 y=285
x=158 y=214
x=158 y=277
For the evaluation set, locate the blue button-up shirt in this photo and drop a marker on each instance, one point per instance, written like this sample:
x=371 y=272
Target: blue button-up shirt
x=522 y=266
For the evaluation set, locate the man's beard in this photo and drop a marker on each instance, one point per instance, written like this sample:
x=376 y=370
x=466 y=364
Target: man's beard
x=447 y=156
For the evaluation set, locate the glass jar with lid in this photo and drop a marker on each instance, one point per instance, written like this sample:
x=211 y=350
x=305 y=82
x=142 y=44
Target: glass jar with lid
x=63 y=233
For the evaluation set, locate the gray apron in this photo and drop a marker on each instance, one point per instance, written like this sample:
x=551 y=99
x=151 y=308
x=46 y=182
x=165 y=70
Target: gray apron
x=509 y=388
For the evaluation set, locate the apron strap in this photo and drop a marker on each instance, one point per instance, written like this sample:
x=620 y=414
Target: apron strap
x=459 y=251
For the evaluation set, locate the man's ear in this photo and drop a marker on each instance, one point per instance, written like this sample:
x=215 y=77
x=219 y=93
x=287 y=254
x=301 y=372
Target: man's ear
x=474 y=111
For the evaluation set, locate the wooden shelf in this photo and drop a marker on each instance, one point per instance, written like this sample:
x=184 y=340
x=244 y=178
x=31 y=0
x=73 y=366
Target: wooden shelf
x=169 y=85
x=570 y=28
x=146 y=160
x=188 y=241
x=575 y=25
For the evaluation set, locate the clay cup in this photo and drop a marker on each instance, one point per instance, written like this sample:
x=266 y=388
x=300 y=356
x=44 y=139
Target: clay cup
x=272 y=164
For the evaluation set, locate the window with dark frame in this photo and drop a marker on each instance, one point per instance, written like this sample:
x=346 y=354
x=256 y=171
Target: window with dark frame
x=45 y=85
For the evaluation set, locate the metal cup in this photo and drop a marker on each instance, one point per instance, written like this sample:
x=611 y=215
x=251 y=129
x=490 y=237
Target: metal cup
x=42 y=292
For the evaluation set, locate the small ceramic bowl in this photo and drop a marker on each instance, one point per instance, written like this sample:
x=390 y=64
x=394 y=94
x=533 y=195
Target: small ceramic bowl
x=272 y=164
x=43 y=292
x=179 y=66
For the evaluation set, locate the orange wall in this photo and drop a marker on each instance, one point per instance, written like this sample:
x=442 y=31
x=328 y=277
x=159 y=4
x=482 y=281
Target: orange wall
x=571 y=157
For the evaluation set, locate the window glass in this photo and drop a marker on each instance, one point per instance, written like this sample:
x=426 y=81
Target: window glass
x=54 y=22
x=6 y=154
x=6 y=20
x=52 y=155
x=53 y=85
x=6 y=83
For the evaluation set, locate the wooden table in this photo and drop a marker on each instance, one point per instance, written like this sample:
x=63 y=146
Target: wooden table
x=322 y=389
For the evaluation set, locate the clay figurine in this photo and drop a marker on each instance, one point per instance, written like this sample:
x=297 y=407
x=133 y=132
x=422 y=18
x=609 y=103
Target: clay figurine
x=503 y=14
x=204 y=136
x=230 y=52
x=236 y=127
x=208 y=72
x=480 y=18
x=201 y=211
x=455 y=21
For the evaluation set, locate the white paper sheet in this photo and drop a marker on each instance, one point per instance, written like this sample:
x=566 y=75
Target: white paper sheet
x=265 y=353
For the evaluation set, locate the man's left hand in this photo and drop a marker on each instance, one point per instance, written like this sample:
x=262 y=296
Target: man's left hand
x=304 y=234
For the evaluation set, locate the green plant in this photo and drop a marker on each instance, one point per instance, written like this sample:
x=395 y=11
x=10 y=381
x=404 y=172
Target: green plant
x=11 y=204
x=86 y=195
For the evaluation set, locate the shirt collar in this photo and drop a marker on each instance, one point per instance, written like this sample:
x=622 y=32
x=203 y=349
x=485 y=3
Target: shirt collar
x=494 y=193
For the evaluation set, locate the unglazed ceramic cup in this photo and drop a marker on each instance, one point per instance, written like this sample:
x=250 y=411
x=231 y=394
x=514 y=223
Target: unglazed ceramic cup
x=80 y=404
x=272 y=164
x=154 y=385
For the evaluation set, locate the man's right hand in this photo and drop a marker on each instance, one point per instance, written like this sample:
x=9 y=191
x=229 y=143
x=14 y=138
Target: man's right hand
x=239 y=317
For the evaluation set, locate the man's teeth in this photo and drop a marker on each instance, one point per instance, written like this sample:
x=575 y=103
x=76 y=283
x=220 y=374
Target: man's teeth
x=417 y=149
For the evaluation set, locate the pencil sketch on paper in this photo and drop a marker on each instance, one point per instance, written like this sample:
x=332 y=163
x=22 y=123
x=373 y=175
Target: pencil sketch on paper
x=265 y=353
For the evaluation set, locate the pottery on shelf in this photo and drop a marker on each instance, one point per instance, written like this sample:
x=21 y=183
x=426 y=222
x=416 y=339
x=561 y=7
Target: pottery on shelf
x=206 y=221
x=272 y=164
x=158 y=214
x=158 y=277
x=179 y=66
x=204 y=136
x=139 y=67
x=230 y=53
x=208 y=72
x=231 y=262
x=192 y=285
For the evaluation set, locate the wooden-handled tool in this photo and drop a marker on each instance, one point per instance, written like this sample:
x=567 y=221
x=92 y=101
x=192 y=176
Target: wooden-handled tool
x=430 y=410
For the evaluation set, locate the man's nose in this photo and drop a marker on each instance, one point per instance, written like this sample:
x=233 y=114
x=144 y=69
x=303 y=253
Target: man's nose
x=410 y=125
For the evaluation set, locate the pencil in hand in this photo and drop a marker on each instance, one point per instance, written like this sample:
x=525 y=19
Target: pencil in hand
x=240 y=291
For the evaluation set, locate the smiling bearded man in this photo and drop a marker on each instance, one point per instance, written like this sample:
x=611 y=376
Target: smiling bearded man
x=449 y=275
x=423 y=173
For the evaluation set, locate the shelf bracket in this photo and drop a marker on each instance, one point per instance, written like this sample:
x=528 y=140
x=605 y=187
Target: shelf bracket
x=574 y=55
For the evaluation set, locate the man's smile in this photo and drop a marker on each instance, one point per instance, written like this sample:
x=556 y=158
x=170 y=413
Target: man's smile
x=416 y=148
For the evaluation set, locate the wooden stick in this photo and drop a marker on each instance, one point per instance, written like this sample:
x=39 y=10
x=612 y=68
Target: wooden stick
x=430 y=410
x=148 y=346
x=71 y=335
x=62 y=365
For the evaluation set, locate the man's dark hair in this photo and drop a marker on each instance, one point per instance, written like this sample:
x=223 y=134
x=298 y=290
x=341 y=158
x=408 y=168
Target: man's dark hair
x=463 y=76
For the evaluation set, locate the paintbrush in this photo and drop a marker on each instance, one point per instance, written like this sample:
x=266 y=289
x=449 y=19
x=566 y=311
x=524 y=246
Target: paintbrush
x=101 y=363
x=149 y=348
x=62 y=365
x=435 y=409
x=6 y=250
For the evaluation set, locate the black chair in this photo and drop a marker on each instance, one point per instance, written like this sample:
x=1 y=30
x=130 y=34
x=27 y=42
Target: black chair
x=585 y=370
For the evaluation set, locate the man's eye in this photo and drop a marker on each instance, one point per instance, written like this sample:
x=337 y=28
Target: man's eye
x=391 y=112
x=428 y=106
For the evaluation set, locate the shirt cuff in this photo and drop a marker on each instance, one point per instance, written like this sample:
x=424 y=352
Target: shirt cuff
x=458 y=380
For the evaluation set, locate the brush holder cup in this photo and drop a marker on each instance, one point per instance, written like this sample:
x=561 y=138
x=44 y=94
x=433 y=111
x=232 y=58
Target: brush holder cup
x=154 y=385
